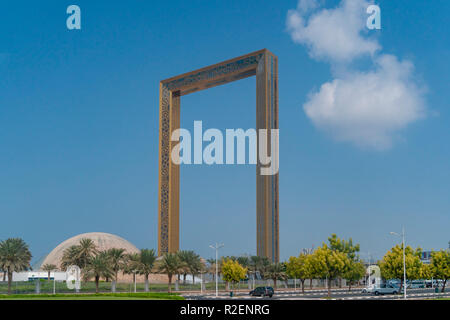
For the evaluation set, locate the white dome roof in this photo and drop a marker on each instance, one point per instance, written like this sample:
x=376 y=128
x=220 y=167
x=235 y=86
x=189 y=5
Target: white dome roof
x=103 y=241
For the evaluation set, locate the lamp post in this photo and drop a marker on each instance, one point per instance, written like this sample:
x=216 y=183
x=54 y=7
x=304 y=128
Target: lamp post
x=217 y=247
x=404 y=259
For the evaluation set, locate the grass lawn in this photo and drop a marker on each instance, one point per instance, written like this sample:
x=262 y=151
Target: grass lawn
x=100 y=296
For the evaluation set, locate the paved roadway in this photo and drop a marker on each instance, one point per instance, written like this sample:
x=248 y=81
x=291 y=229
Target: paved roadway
x=338 y=294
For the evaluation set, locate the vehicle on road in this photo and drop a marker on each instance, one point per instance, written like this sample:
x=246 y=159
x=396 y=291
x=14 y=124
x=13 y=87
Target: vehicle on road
x=366 y=289
x=417 y=284
x=382 y=289
x=433 y=284
x=262 y=292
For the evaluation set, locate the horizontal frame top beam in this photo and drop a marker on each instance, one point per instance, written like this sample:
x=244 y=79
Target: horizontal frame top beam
x=216 y=74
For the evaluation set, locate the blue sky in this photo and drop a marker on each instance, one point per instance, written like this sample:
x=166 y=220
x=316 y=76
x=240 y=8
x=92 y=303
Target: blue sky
x=79 y=127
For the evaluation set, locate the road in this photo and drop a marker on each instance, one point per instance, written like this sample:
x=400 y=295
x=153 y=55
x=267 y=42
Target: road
x=338 y=294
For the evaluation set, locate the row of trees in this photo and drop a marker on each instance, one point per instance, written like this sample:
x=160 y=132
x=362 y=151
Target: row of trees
x=108 y=264
x=339 y=259
x=392 y=265
x=336 y=260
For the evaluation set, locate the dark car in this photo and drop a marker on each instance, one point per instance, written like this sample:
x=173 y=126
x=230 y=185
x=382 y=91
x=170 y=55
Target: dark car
x=262 y=292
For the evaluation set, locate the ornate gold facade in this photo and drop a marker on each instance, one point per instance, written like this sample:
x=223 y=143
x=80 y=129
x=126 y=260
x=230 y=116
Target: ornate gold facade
x=262 y=64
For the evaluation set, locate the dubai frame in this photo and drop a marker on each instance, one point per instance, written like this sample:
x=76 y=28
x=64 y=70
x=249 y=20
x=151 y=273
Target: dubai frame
x=262 y=64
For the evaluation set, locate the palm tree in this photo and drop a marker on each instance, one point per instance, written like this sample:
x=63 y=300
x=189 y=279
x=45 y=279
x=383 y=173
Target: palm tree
x=117 y=261
x=170 y=264
x=49 y=268
x=195 y=266
x=70 y=257
x=14 y=257
x=146 y=265
x=185 y=256
x=79 y=255
x=132 y=264
x=191 y=263
x=259 y=265
x=243 y=261
x=212 y=267
x=86 y=250
x=97 y=267
x=276 y=271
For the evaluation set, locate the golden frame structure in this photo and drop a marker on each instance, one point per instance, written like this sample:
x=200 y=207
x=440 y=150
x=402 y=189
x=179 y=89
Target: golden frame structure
x=264 y=65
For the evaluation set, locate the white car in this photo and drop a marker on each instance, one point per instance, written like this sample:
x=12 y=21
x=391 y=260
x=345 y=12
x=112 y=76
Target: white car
x=382 y=289
x=367 y=289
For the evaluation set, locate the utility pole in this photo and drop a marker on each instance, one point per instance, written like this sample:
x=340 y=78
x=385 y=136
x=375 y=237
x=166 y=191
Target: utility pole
x=217 y=247
x=404 y=259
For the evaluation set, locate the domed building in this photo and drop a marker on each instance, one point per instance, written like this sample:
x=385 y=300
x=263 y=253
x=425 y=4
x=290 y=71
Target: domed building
x=103 y=241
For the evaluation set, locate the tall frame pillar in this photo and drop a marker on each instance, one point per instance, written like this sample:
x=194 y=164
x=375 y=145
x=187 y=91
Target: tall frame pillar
x=267 y=210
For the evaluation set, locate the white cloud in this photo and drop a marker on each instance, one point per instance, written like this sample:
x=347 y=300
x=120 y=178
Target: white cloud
x=365 y=108
x=334 y=34
x=368 y=108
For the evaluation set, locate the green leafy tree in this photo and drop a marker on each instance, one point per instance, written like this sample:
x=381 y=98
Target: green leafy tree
x=426 y=272
x=49 y=268
x=440 y=265
x=245 y=262
x=232 y=271
x=171 y=265
x=347 y=247
x=330 y=264
x=298 y=268
x=355 y=272
x=147 y=264
x=97 y=267
x=310 y=268
x=14 y=257
x=341 y=245
x=392 y=264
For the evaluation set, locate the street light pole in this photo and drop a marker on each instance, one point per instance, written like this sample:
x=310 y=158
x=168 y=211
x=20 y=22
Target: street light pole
x=217 y=247
x=404 y=259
